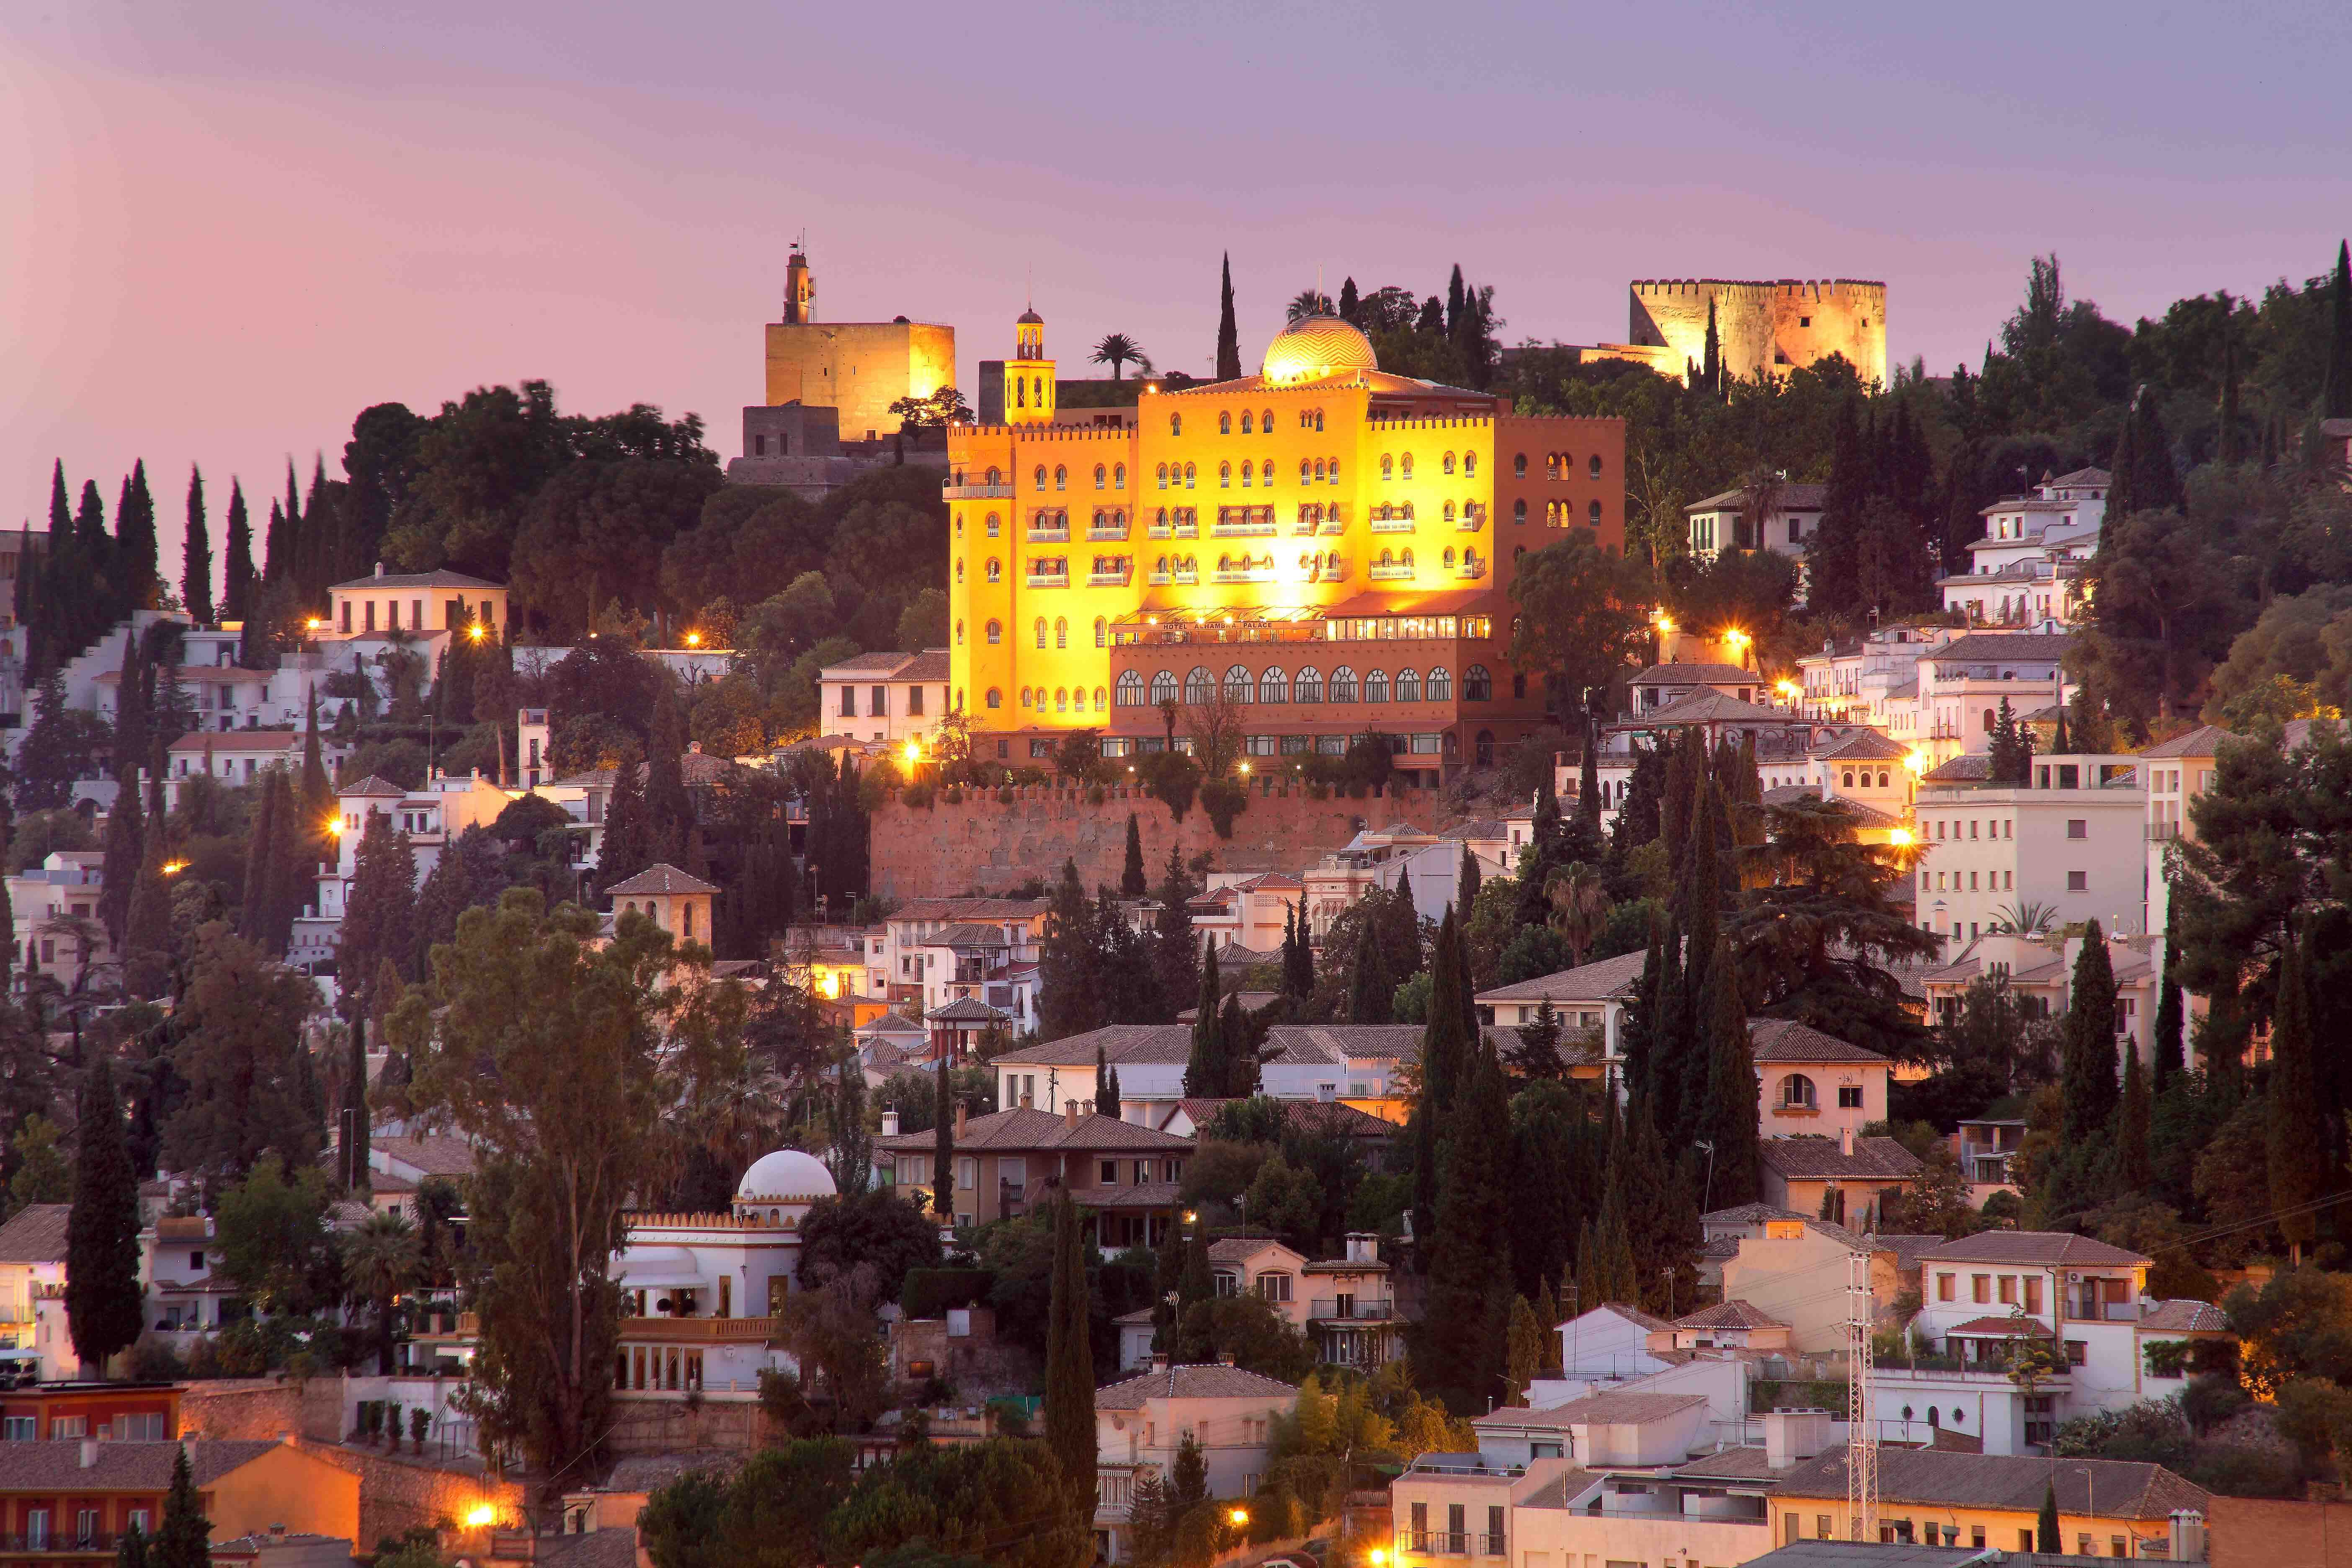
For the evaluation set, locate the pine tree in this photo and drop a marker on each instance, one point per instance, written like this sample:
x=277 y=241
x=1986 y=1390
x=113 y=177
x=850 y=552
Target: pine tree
x=2294 y=1124
x=2131 y=1127
x=104 y=1298
x=1070 y=1363
x=1229 y=340
x=135 y=543
x=1175 y=951
x=2228 y=449
x=1070 y=970
x=196 y=554
x=1469 y=1273
x=943 y=1141
x=1537 y=1053
x=1131 y=883
x=237 y=579
x=1729 y=1117
x=1205 y=1069
x=2087 y=1057
x=1191 y=1342
x=2335 y=393
x=183 y=1539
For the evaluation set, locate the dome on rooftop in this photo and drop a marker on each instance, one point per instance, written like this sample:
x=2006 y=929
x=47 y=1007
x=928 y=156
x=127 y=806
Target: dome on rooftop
x=1029 y=319
x=1314 y=347
x=786 y=1173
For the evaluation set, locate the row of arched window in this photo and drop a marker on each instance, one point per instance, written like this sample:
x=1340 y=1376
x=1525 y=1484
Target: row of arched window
x=1392 y=467
x=1064 y=699
x=1115 y=519
x=1559 y=513
x=1309 y=684
x=1558 y=466
x=1117 y=473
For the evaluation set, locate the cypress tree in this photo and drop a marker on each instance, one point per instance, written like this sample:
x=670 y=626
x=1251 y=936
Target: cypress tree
x=357 y=1126
x=1711 y=367
x=135 y=543
x=1205 y=1069
x=260 y=872
x=2087 y=1059
x=1585 y=1293
x=2131 y=1126
x=1535 y=861
x=2230 y=449
x=131 y=1548
x=236 y=575
x=104 y=1298
x=1465 y=883
x=147 y=925
x=1229 y=341
x=668 y=811
x=1131 y=883
x=2045 y=1524
x=2295 y=1127
x=1729 y=1117
x=943 y=1142
x=1588 y=777
x=126 y=842
x=2166 y=1057
x=319 y=803
x=2335 y=394
x=1298 y=977
x=196 y=554
x=1107 y=1090
x=183 y=1539
x=1070 y=1363
x=1237 y=1068
x=1446 y=1045
x=293 y=871
x=1196 y=1285
x=1352 y=304
x=1370 y=994
x=626 y=848
x=1470 y=1270
x=1454 y=294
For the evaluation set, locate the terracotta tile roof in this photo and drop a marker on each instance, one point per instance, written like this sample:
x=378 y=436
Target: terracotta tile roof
x=968 y=1010
x=1334 y=1045
x=931 y=664
x=2178 y=1317
x=1865 y=744
x=2035 y=1246
x=2205 y=741
x=964 y=934
x=1141 y=1316
x=1215 y=1382
x=1907 y=1247
x=443 y=578
x=1790 y=498
x=1241 y=1249
x=120 y=1466
x=1151 y=1043
x=1632 y=1314
x=612 y=1546
x=1310 y=1115
x=1997 y=648
x=889 y=1023
x=1969 y=767
x=868 y=664
x=1698 y=675
x=1732 y=1315
x=1143 y=1195
x=1604 y=979
x=1747 y=1214
x=1786 y=1040
x=35 y=1234
x=2003 y=1329
x=433 y=1156
x=658 y=880
x=373 y=785
x=1045 y=1129
x=2012 y=1483
x=2081 y=478
x=1711 y=708
x=1815 y=1158
x=1730 y=1464
x=1606 y=1409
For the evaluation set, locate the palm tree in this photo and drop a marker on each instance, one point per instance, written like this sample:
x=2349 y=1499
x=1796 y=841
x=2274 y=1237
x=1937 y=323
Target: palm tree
x=1310 y=302
x=381 y=1260
x=1116 y=349
x=2027 y=917
x=1579 y=906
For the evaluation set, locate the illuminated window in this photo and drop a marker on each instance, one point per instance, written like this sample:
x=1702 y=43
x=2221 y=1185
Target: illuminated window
x=1406 y=467
x=1061 y=632
x=1408 y=686
x=1101 y=475
x=1447 y=463
x=1449 y=511
x=1224 y=423
x=1388 y=466
x=1062 y=699
x=1175 y=424
x=995 y=570
x=1163 y=687
x=1239 y=687
x=1405 y=560
x=1187 y=476
x=995 y=697
x=1225 y=476
x=995 y=635
x=1439 y=686
x=1061 y=477
x=1266 y=472
x=1131 y=688
x=1469 y=465
x=959 y=634
x=1041 y=632
x=1449 y=558
x=1098 y=698
x=1102 y=632
x=959 y=568
x=1309 y=687
x=1273 y=686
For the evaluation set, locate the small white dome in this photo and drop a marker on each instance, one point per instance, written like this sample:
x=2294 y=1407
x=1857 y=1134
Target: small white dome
x=786 y=1173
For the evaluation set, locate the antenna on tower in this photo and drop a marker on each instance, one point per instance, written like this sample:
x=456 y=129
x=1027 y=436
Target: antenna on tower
x=1862 y=1425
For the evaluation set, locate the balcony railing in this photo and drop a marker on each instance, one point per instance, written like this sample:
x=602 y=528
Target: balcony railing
x=1186 y=529
x=1116 y=579
x=1048 y=580
x=977 y=492
x=1451 y=1543
x=698 y=1330
x=1334 y=523
x=1049 y=535
x=2163 y=831
x=1388 y=572
x=1244 y=527
x=1470 y=571
x=1393 y=525
x=1243 y=574
x=61 y=1540
x=1353 y=1309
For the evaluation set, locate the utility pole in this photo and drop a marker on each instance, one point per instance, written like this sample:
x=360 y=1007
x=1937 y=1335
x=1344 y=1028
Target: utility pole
x=1862 y=1430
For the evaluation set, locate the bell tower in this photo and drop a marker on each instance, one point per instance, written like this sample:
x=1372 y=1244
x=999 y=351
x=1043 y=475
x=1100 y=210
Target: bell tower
x=1029 y=396
x=800 y=288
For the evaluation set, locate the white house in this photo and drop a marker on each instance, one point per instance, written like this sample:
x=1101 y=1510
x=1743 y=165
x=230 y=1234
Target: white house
x=1140 y=1421
x=1792 y=516
x=2028 y=566
x=2071 y=840
x=886 y=699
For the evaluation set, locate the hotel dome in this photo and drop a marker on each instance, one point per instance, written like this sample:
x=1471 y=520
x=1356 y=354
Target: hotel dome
x=787 y=1174
x=1315 y=347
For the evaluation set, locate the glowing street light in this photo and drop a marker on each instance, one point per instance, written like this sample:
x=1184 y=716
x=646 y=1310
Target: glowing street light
x=1237 y=1517
x=1916 y=761
x=1900 y=838
x=694 y=639
x=481 y=1516
x=914 y=753
x=1376 y=1555
x=475 y=632
x=335 y=825
x=173 y=868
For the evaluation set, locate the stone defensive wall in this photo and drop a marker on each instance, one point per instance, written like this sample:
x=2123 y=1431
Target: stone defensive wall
x=982 y=844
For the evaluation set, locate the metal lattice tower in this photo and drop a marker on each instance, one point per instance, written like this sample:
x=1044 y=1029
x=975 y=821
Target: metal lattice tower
x=1862 y=1425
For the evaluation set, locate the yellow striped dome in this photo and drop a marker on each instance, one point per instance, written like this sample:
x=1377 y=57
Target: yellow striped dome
x=1315 y=347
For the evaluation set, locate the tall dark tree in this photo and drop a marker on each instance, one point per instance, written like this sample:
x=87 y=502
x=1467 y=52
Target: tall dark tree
x=2335 y=393
x=1229 y=338
x=380 y=915
x=2167 y=1054
x=1446 y=1058
x=1205 y=1069
x=1371 y=994
x=2132 y=1117
x=141 y=586
x=1132 y=881
x=1462 y=1355
x=1105 y=1084
x=627 y=845
x=1465 y=883
x=943 y=1141
x=1730 y=1112
x=354 y=1124
x=2295 y=1124
x=147 y=924
x=2087 y=1056
x=1070 y=1363
x=103 y=1296
x=1175 y=951
x=2045 y=1523
x=1070 y=980
x=126 y=841
x=236 y=573
x=196 y=554
x=1350 y=302
x=183 y=1539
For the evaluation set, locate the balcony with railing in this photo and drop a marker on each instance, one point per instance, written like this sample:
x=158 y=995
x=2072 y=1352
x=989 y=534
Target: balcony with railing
x=1241 y=575
x=1116 y=577
x=977 y=492
x=1390 y=571
x=1333 y=523
x=1181 y=528
x=1049 y=534
x=1450 y=1543
x=1108 y=529
x=1245 y=522
x=2163 y=831
x=1471 y=571
x=1354 y=1309
x=1047 y=580
x=1392 y=524
x=1473 y=518
x=698 y=1331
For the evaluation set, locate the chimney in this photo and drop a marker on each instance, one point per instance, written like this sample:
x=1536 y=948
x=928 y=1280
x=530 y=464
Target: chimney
x=1793 y=1435
x=1070 y=1113
x=379 y=568
x=90 y=1452
x=1158 y=1361
x=889 y=1124
x=1845 y=1139
x=959 y=1115
x=1364 y=1247
x=276 y=1532
x=694 y=748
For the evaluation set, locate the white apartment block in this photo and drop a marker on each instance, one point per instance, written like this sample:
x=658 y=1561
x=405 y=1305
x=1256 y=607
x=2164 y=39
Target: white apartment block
x=2028 y=566
x=2070 y=841
x=884 y=698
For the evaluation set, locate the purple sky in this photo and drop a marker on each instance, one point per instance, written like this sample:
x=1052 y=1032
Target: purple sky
x=232 y=227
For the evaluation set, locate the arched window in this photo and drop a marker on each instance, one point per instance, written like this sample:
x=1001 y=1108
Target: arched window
x=1408 y=685
x=1470 y=558
x=1449 y=558
x=1245 y=422
x=1187 y=476
x=1225 y=476
x=1175 y=424
x=1099 y=516
x=1273 y=686
x=1406 y=467
x=1335 y=468
x=1025 y=697
x=1041 y=631
x=1162 y=474
x=1266 y=421
x=996 y=634
x=1439 y=686
x=1225 y=562
x=1265 y=472
x=1062 y=699
x=1038 y=478
x=1245 y=476
x=1343 y=684
x=1846 y=779
x=1304 y=470
x=1163 y=687
x=1388 y=466
x=1102 y=632
x=1988 y=721
x=1131 y=688
x=995 y=570
x=1061 y=477
x=1447 y=464
x=1478 y=685
x=1331 y=563
x=1405 y=560
x=1200 y=686
x=1118 y=477
x=1102 y=476
x=1309 y=687
x=959 y=568
x=1061 y=632
x=995 y=697
x=1098 y=698
x=1405 y=512
x=1519 y=467
x=1376 y=685
x=959 y=532
x=1593 y=468
x=994 y=525
x=1882 y=778
x=994 y=476
x=959 y=634
x=1224 y=423
x=1592 y=511
x=1449 y=511
x=1520 y=513
x=1797 y=1090
x=1469 y=465
x=1239 y=687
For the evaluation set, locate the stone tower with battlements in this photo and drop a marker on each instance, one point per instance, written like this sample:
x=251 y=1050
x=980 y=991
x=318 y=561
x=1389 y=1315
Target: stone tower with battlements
x=1762 y=327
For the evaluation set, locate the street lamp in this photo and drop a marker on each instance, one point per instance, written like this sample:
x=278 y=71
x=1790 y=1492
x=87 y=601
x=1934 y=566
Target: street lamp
x=694 y=639
x=1237 y=1517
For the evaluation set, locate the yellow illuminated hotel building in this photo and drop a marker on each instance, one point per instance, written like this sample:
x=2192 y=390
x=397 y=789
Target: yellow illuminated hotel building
x=1328 y=542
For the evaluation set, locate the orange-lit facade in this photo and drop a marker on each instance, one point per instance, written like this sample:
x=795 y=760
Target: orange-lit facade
x=1333 y=543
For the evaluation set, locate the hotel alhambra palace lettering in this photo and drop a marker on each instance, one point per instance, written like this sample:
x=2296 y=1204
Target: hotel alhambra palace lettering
x=1327 y=543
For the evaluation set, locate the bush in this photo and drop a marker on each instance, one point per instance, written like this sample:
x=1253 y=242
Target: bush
x=1173 y=778
x=153 y=1359
x=2244 y=1472
x=1223 y=800
x=930 y=1292
x=916 y=796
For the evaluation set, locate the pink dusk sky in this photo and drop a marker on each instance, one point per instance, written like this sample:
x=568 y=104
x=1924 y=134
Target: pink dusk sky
x=230 y=227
